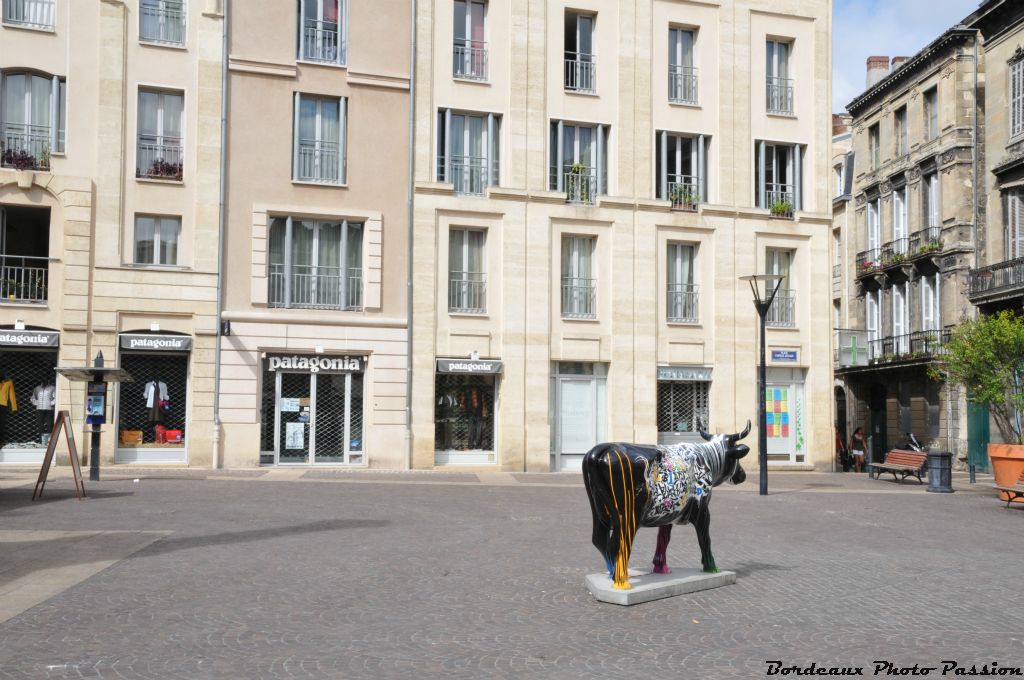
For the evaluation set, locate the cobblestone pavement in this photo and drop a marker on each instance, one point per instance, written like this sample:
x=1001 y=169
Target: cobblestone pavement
x=422 y=576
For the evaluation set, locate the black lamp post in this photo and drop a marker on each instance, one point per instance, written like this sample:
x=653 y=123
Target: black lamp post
x=762 y=304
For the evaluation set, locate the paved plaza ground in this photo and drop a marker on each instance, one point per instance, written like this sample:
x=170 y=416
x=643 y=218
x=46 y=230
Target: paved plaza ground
x=336 y=574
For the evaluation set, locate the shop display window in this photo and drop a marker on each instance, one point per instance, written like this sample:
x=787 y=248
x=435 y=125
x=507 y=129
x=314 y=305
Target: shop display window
x=152 y=408
x=27 y=399
x=464 y=412
x=682 y=407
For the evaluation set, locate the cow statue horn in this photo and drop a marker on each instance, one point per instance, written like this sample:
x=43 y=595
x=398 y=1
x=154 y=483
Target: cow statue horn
x=707 y=437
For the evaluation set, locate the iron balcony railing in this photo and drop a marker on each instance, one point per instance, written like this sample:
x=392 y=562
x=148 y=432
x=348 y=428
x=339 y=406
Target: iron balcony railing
x=682 y=84
x=782 y=313
x=321 y=41
x=580 y=72
x=467 y=292
x=160 y=157
x=895 y=252
x=579 y=298
x=469 y=59
x=780 y=95
x=682 y=302
x=907 y=347
x=469 y=175
x=318 y=161
x=23 y=278
x=869 y=261
x=315 y=287
x=684 y=191
x=995 y=279
x=33 y=13
x=779 y=198
x=581 y=186
x=925 y=241
x=25 y=147
x=163 y=21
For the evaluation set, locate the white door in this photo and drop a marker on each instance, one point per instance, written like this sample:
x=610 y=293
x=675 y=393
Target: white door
x=784 y=407
x=577 y=420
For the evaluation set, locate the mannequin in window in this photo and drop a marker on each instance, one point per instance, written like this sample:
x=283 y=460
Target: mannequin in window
x=44 y=397
x=8 y=403
x=447 y=412
x=478 y=412
x=155 y=393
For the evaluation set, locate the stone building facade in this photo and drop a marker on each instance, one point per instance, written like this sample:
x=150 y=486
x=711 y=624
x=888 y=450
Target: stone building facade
x=314 y=368
x=108 y=208
x=591 y=179
x=917 y=137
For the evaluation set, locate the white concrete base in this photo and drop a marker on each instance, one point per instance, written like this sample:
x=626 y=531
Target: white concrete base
x=649 y=586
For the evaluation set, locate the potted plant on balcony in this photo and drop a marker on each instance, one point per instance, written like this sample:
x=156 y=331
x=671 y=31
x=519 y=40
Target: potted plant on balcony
x=161 y=169
x=579 y=185
x=986 y=356
x=868 y=266
x=683 y=196
x=781 y=209
x=23 y=164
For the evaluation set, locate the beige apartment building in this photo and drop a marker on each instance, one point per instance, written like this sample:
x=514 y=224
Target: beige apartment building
x=314 y=356
x=917 y=144
x=591 y=179
x=110 y=155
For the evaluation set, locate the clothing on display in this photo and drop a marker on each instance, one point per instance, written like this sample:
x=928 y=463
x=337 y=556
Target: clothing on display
x=8 y=399
x=44 y=397
x=157 y=401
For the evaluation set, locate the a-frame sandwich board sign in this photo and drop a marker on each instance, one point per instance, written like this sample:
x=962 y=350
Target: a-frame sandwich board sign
x=63 y=422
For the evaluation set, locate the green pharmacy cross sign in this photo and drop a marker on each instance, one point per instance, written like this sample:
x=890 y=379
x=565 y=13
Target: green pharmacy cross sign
x=853 y=350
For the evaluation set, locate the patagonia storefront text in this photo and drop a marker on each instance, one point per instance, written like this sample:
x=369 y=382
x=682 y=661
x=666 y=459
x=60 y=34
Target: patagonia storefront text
x=312 y=410
x=28 y=393
x=152 y=410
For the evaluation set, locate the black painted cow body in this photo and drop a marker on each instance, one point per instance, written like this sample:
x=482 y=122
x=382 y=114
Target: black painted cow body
x=656 y=486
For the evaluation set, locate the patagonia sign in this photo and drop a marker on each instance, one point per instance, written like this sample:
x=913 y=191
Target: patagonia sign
x=159 y=343
x=29 y=338
x=344 y=364
x=478 y=366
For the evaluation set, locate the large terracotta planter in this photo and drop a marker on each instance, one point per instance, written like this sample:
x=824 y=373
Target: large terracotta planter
x=1007 y=464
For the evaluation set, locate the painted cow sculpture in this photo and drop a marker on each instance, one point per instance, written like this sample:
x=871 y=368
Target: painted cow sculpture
x=631 y=486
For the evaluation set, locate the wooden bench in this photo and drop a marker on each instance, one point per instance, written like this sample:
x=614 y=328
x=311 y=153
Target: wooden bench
x=902 y=462
x=1013 y=492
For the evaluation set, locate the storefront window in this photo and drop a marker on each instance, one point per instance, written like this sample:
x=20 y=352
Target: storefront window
x=153 y=408
x=682 y=407
x=27 y=401
x=464 y=412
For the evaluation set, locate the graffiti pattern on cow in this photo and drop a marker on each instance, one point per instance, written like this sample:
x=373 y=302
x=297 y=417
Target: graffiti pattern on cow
x=679 y=475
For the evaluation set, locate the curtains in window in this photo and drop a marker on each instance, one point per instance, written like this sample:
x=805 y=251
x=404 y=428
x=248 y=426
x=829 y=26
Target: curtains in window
x=465 y=252
x=577 y=257
x=305 y=263
x=778 y=262
x=681 y=160
x=680 y=264
x=320 y=139
x=156 y=239
x=1013 y=221
x=680 y=47
x=779 y=172
x=160 y=116
x=585 y=145
x=34 y=112
x=467 y=150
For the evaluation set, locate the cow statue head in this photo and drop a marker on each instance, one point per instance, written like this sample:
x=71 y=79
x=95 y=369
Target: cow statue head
x=731 y=469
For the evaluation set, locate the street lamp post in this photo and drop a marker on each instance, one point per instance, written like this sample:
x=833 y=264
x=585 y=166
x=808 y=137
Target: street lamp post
x=762 y=304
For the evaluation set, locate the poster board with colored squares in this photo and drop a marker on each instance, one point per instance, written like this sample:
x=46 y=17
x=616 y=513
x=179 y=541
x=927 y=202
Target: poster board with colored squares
x=779 y=418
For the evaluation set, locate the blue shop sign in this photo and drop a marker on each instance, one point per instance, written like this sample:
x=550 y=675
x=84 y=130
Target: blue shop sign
x=784 y=355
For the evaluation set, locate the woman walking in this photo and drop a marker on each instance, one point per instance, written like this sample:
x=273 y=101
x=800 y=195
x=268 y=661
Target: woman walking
x=857 y=449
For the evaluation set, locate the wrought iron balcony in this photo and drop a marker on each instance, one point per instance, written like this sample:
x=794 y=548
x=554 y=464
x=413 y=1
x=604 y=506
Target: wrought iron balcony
x=469 y=60
x=780 y=95
x=321 y=41
x=997 y=281
x=31 y=13
x=23 y=279
x=469 y=175
x=908 y=347
x=894 y=252
x=924 y=242
x=581 y=186
x=163 y=22
x=318 y=162
x=580 y=72
x=779 y=199
x=782 y=313
x=25 y=147
x=684 y=191
x=682 y=302
x=160 y=157
x=315 y=287
x=682 y=84
x=869 y=261
x=579 y=298
x=467 y=292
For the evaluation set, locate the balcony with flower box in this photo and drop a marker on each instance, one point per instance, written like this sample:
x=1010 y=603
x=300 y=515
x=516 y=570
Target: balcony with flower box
x=916 y=347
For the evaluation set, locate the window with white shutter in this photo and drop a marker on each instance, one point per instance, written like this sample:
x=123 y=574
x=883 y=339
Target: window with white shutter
x=872 y=322
x=1014 y=224
x=1017 y=98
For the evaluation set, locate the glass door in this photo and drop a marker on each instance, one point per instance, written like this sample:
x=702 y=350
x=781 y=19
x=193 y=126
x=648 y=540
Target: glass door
x=294 y=410
x=331 y=421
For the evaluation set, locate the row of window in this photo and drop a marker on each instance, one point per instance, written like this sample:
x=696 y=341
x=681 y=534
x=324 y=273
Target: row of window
x=900 y=302
x=470 y=57
x=467 y=279
x=322 y=25
x=900 y=134
x=930 y=216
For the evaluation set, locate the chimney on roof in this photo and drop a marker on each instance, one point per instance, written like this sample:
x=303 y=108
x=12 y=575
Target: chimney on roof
x=841 y=123
x=898 y=61
x=878 y=68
